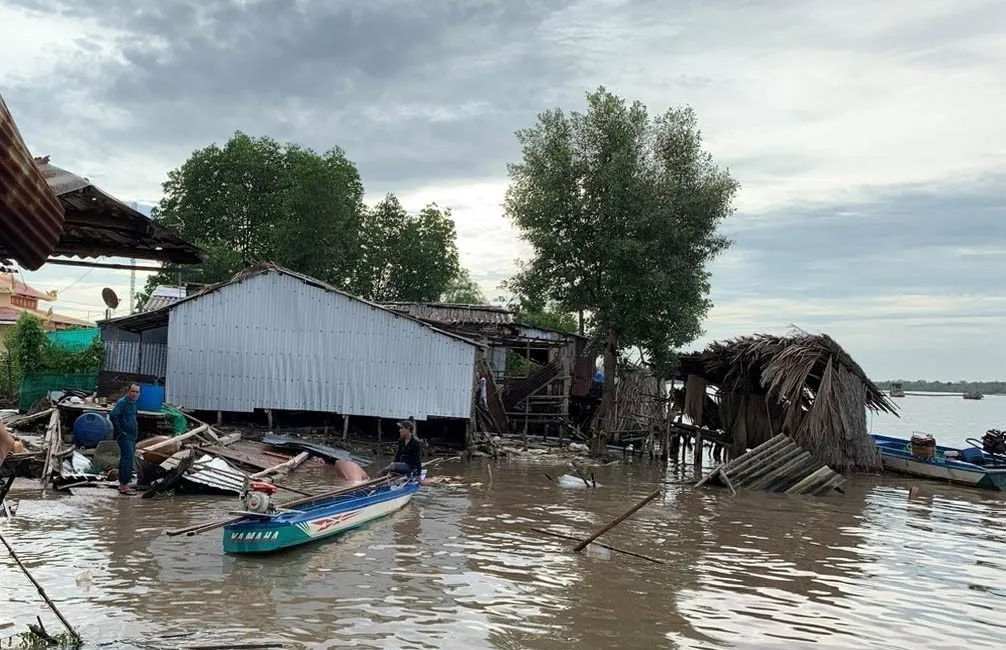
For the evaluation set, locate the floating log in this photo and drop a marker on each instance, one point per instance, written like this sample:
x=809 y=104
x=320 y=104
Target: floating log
x=610 y=548
x=777 y=465
x=650 y=497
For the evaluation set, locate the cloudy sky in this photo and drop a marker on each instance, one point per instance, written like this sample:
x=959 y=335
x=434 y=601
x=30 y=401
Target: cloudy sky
x=868 y=136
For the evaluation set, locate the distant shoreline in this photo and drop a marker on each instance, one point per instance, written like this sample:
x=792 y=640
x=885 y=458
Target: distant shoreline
x=947 y=388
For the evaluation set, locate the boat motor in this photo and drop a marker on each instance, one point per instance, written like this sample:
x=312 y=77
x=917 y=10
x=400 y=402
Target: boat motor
x=258 y=497
x=994 y=442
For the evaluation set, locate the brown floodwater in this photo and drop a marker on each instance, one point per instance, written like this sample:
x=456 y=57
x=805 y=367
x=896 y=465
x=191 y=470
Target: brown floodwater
x=461 y=567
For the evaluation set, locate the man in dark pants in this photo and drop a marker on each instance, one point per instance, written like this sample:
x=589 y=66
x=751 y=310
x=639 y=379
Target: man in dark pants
x=409 y=455
x=127 y=430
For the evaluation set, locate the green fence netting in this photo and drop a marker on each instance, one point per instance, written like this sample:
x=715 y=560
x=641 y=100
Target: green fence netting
x=35 y=386
x=74 y=340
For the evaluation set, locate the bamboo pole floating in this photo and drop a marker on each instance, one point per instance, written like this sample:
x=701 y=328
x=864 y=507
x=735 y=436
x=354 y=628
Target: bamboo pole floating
x=610 y=548
x=41 y=591
x=282 y=468
x=650 y=497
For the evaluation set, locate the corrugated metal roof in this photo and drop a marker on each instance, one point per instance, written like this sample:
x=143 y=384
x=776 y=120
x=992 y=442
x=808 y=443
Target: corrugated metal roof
x=98 y=224
x=453 y=314
x=274 y=339
x=163 y=296
x=32 y=216
x=158 y=318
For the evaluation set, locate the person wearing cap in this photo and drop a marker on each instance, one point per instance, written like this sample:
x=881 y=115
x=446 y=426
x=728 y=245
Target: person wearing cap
x=409 y=455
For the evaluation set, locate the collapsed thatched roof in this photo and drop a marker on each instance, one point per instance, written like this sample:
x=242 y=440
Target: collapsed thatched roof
x=804 y=385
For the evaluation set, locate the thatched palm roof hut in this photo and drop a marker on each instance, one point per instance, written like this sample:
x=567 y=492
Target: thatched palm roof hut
x=803 y=385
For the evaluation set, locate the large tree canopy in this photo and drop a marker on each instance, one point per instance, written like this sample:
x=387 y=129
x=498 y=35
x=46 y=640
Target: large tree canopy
x=621 y=210
x=406 y=257
x=255 y=200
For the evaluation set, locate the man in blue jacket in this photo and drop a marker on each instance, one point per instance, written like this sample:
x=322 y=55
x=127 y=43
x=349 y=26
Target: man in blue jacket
x=127 y=430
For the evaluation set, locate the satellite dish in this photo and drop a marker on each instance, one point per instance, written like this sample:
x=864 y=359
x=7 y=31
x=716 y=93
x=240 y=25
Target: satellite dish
x=111 y=300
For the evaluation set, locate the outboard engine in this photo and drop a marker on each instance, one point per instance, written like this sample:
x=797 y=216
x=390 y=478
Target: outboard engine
x=258 y=498
x=994 y=442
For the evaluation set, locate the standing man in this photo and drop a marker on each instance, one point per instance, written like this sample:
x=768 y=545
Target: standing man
x=409 y=455
x=127 y=430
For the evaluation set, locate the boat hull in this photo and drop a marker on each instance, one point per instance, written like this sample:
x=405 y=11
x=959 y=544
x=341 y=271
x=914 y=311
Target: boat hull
x=322 y=521
x=896 y=457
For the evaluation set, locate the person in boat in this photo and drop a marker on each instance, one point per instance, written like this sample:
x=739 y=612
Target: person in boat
x=127 y=430
x=409 y=455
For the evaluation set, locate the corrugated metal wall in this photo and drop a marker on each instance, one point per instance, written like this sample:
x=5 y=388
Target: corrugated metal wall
x=274 y=342
x=126 y=353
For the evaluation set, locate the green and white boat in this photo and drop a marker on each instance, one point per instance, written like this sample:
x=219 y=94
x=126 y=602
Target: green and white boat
x=264 y=528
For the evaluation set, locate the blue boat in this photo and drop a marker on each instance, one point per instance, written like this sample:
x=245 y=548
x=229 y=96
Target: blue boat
x=970 y=466
x=264 y=528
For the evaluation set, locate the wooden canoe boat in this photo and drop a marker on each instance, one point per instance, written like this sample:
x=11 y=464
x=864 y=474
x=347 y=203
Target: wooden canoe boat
x=311 y=522
x=970 y=466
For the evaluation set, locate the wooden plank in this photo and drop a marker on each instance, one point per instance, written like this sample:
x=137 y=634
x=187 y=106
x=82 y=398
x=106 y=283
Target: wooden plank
x=167 y=443
x=282 y=468
x=811 y=480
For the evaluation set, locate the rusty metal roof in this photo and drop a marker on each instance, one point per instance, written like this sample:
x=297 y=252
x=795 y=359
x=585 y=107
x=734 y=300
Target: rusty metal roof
x=98 y=224
x=31 y=217
x=453 y=314
x=48 y=211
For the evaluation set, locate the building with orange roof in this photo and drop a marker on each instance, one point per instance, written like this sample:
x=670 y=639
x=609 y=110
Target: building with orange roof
x=18 y=297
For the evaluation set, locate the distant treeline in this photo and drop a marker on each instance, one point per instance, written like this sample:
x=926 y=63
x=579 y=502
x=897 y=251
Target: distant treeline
x=921 y=385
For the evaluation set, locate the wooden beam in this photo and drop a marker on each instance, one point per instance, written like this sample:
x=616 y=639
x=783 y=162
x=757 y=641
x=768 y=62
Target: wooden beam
x=99 y=265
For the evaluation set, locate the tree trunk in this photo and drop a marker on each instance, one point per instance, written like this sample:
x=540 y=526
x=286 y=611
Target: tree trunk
x=599 y=444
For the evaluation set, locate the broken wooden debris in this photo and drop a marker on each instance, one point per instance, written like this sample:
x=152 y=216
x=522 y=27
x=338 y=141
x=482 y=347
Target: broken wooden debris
x=777 y=465
x=628 y=513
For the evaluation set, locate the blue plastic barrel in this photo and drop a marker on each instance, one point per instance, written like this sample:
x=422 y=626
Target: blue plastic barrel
x=91 y=428
x=151 y=398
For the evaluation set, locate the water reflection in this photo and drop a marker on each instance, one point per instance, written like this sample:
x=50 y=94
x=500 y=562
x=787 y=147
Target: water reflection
x=462 y=568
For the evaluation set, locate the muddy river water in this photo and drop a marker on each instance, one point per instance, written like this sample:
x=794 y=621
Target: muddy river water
x=461 y=567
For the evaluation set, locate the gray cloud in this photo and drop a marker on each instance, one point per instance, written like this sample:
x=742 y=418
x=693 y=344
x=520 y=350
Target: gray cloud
x=414 y=91
x=908 y=240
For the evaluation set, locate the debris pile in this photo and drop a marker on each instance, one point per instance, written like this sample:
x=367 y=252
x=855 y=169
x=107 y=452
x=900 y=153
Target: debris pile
x=779 y=465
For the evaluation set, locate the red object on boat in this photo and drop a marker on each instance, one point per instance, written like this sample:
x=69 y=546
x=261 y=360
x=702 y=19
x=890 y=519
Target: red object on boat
x=31 y=217
x=263 y=486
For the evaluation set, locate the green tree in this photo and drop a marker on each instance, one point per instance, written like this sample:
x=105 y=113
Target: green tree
x=621 y=211
x=406 y=257
x=28 y=344
x=254 y=200
x=462 y=290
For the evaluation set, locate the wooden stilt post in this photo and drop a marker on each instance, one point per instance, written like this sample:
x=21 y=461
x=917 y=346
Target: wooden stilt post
x=268 y=416
x=345 y=427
